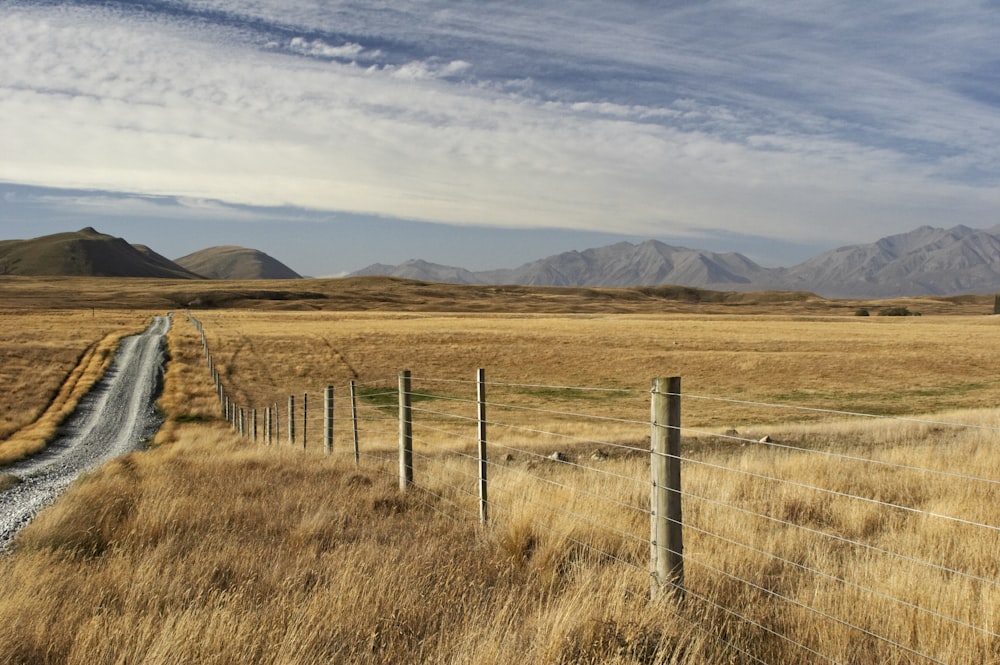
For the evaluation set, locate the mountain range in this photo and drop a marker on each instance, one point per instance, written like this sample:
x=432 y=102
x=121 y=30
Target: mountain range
x=926 y=261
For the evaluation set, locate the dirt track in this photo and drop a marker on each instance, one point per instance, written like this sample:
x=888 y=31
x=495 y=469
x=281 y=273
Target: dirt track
x=118 y=416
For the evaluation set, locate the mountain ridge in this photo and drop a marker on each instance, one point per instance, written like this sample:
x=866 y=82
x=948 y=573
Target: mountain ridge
x=925 y=261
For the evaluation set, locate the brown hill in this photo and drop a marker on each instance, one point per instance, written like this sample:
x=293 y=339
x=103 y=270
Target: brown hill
x=228 y=262
x=85 y=253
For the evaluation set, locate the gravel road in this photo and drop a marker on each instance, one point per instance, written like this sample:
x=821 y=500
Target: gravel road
x=117 y=417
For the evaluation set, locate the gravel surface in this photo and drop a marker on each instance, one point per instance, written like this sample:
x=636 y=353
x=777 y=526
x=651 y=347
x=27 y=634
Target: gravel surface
x=116 y=417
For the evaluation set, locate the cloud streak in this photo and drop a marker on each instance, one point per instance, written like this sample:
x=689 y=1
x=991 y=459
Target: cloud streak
x=640 y=119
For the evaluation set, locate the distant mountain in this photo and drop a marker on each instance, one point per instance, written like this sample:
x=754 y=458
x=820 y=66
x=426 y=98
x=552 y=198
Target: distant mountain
x=85 y=253
x=422 y=270
x=230 y=262
x=925 y=261
x=650 y=263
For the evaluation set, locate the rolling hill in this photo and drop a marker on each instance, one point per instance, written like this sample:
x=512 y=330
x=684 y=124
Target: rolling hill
x=229 y=262
x=85 y=253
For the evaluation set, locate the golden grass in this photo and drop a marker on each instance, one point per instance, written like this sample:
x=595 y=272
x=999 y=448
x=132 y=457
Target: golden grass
x=874 y=365
x=50 y=360
x=391 y=294
x=208 y=549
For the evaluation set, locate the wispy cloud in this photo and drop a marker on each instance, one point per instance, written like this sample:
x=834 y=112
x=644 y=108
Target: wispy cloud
x=811 y=121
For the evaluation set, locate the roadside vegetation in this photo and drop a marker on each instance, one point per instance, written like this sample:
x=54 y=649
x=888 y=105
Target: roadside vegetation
x=50 y=359
x=207 y=548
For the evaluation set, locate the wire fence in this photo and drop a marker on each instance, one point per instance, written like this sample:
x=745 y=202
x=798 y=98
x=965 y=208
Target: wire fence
x=833 y=542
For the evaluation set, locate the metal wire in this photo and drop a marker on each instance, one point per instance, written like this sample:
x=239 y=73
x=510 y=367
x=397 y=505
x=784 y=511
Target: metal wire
x=845 y=495
x=841 y=456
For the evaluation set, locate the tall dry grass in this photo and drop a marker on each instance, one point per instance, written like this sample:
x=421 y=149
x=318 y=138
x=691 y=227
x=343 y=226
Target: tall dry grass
x=208 y=549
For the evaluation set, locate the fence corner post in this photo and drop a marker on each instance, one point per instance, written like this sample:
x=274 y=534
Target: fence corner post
x=666 y=524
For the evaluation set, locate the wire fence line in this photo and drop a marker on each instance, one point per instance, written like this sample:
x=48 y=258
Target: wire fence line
x=773 y=530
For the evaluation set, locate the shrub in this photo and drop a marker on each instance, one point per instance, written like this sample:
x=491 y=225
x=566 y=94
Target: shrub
x=896 y=311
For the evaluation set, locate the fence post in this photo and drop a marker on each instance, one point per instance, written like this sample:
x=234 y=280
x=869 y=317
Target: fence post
x=277 y=424
x=328 y=420
x=253 y=424
x=305 y=418
x=484 y=515
x=666 y=532
x=291 y=420
x=354 y=421
x=405 y=431
x=267 y=425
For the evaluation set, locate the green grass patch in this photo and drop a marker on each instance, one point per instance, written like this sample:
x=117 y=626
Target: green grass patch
x=387 y=399
x=554 y=393
x=883 y=403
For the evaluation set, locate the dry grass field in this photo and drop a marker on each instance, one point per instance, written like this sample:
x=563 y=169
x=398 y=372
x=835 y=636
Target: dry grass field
x=210 y=549
x=878 y=365
x=390 y=294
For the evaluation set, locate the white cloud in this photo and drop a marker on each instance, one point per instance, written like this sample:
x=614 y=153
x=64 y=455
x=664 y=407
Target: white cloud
x=425 y=69
x=92 y=99
x=317 y=47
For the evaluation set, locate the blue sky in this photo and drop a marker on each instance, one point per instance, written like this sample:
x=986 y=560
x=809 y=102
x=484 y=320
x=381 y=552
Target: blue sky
x=487 y=134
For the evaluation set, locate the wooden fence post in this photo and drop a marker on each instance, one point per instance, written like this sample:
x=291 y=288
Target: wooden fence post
x=354 y=421
x=305 y=418
x=267 y=425
x=666 y=532
x=291 y=420
x=405 y=431
x=277 y=424
x=328 y=420
x=253 y=424
x=484 y=515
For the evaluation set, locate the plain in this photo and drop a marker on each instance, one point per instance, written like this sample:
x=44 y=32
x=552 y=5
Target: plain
x=212 y=548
